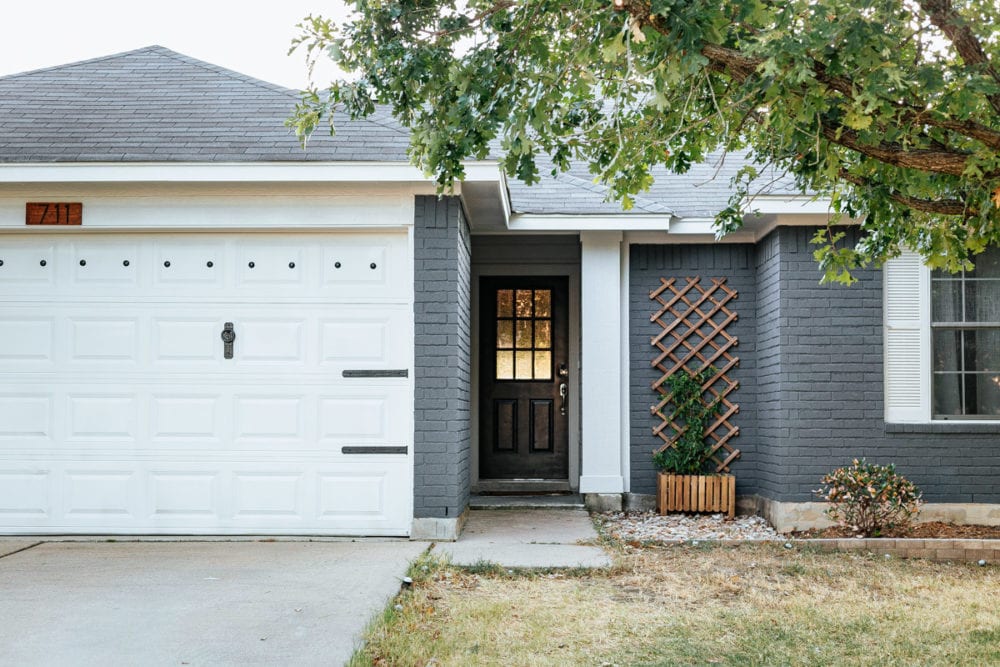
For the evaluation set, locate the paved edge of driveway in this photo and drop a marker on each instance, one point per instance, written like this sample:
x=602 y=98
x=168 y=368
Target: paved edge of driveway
x=9 y=547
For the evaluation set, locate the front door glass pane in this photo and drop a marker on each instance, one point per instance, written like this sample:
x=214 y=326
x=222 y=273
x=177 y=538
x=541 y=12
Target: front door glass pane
x=524 y=334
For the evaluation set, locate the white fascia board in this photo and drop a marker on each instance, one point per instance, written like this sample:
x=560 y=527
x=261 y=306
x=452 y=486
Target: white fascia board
x=788 y=204
x=233 y=172
x=530 y=222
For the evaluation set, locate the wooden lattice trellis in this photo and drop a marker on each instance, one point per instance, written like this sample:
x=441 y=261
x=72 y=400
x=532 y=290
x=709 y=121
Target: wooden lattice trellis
x=694 y=320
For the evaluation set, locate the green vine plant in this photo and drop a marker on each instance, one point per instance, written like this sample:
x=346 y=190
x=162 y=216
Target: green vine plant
x=692 y=413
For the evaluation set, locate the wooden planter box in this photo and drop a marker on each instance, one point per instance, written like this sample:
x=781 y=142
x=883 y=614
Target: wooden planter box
x=696 y=493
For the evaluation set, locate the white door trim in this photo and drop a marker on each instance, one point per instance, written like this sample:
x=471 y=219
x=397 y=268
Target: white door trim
x=572 y=272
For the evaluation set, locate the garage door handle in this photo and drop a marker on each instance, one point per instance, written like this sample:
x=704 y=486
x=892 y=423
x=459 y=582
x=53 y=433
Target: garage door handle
x=228 y=336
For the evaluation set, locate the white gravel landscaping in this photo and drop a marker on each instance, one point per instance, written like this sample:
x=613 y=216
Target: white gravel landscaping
x=652 y=527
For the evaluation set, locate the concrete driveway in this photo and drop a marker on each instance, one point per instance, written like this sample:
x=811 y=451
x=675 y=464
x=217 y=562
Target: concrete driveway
x=193 y=603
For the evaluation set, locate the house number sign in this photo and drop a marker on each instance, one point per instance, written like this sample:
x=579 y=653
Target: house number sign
x=53 y=213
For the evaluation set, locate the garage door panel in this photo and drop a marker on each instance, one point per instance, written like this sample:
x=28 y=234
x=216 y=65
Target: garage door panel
x=268 y=495
x=273 y=341
x=361 y=492
x=141 y=338
x=185 y=417
x=198 y=263
x=365 y=415
x=25 y=494
x=97 y=264
x=26 y=418
x=179 y=496
x=376 y=338
x=26 y=265
x=185 y=340
x=165 y=266
x=27 y=341
x=100 y=494
x=119 y=412
x=104 y=340
x=354 y=497
x=102 y=417
x=359 y=267
x=269 y=417
x=278 y=265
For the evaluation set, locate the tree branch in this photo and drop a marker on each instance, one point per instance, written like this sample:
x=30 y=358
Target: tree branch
x=944 y=16
x=915 y=113
x=939 y=162
x=937 y=206
x=742 y=67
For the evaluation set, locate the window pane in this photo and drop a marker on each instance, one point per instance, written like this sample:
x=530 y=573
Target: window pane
x=505 y=334
x=523 y=368
x=947 y=394
x=947 y=345
x=524 y=334
x=982 y=394
x=982 y=300
x=505 y=303
x=987 y=264
x=505 y=365
x=543 y=365
x=524 y=303
x=982 y=350
x=543 y=303
x=543 y=334
x=946 y=300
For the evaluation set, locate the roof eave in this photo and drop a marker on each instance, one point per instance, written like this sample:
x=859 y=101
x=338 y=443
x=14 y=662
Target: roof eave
x=230 y=172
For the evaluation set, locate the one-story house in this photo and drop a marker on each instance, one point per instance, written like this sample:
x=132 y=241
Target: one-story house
x=205 y=328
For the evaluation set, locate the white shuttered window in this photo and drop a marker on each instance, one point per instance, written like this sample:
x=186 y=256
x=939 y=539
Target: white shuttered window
x=907 y=339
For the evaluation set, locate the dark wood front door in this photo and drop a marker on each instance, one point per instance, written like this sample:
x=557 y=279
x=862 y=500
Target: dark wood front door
x=524 y=378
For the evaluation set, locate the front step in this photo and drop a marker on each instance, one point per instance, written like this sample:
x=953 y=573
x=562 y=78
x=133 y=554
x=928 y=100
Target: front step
x=538 y=502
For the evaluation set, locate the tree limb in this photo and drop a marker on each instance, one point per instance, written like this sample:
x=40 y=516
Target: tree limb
x=937 y=206
x=942 y=14
x=742 y=67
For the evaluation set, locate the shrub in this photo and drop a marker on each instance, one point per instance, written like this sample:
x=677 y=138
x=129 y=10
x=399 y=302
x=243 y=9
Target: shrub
x=869 y=498
x=689 y=452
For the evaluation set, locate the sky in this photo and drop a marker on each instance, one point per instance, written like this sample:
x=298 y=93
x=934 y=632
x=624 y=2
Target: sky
x=249 y=36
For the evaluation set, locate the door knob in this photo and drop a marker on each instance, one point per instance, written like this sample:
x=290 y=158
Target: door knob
x=228 y=336
x=563 y=390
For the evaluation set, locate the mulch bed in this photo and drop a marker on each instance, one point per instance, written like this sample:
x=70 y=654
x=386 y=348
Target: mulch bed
x=933 y=529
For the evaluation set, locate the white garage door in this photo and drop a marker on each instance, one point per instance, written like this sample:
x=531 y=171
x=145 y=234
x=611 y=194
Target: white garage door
x=119 y=412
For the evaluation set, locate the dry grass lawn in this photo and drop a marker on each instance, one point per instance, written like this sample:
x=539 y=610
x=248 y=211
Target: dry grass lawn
x=750 y=605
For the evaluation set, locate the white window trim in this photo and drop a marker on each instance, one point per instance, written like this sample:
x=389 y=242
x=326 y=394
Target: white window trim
x=907 y=315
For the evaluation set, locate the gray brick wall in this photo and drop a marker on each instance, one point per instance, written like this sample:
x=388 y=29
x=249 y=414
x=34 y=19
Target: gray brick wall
x=647 y=264
x=771 y=425
x=832 y=393
x=811 y=376
x=442 y=370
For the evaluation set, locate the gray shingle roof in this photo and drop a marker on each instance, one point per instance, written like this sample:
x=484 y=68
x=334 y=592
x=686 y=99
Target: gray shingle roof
x=700 y=193
x=156 y=105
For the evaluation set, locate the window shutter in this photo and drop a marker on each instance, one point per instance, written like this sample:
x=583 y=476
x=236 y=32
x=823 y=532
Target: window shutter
x=907 y=339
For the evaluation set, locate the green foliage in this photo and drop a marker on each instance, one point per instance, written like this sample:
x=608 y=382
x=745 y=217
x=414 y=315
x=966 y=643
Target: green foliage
x=689 y=452
x=869 y=498
x=890 y=108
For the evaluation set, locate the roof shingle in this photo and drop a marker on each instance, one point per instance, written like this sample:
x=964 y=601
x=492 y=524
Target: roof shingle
x=153 y=104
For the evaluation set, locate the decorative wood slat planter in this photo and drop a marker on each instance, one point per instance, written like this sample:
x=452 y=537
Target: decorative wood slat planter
x=696 y=493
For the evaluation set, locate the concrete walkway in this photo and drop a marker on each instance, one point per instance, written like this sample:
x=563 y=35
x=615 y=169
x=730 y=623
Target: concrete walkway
x=532 y=538
x=197 y=603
